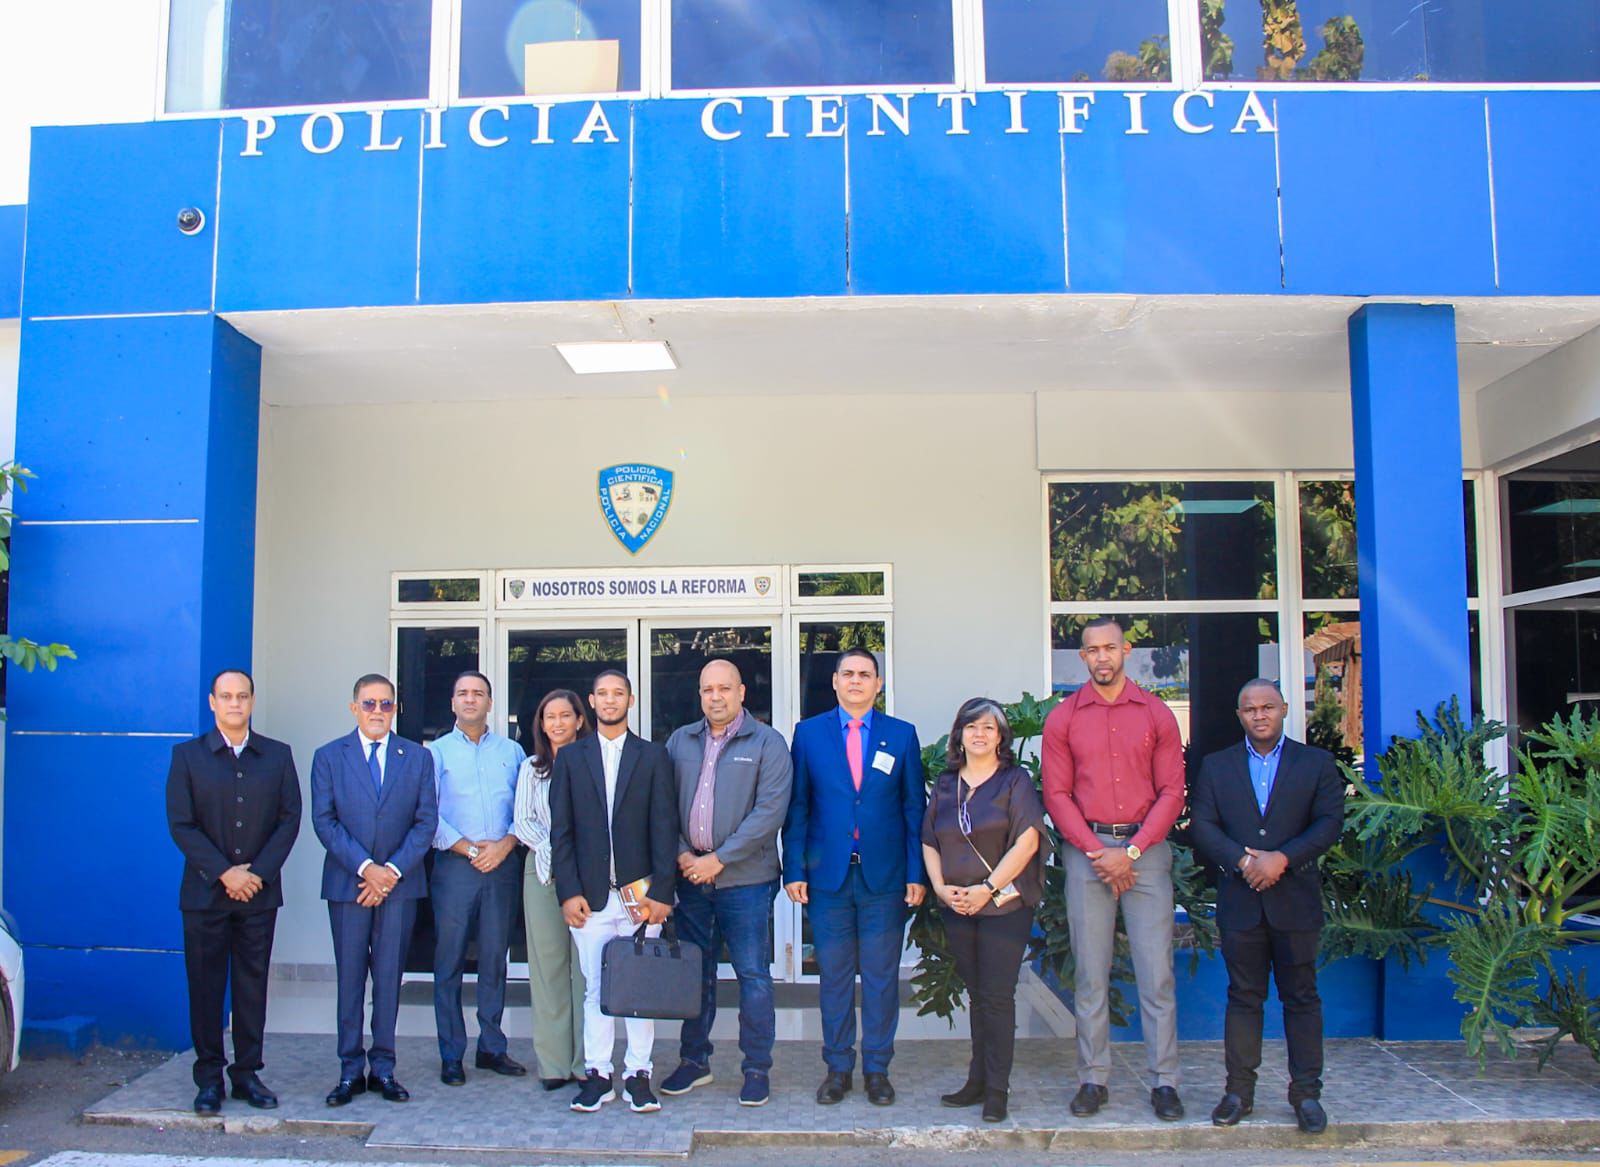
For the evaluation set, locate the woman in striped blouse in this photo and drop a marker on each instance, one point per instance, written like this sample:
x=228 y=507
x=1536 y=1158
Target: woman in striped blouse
x=554 y=979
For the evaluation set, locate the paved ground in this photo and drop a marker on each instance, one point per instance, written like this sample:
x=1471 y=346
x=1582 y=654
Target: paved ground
x=1378 y=1094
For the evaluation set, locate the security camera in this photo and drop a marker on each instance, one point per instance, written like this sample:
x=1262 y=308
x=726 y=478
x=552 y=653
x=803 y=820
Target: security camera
x=191 y=220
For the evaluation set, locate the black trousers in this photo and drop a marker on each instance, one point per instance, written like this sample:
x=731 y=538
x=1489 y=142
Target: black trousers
x=988 y=954
x=1291 y=959
x=223 y=948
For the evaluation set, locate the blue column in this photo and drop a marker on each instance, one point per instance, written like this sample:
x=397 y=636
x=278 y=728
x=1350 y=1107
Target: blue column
x=1411 y=539
x=139 y=411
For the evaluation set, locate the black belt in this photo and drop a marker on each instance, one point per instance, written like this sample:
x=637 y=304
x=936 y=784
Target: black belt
x=855 y=857
x=1116 y=830
x=698 y=854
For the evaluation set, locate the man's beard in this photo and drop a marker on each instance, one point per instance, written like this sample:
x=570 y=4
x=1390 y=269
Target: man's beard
x=604 y=720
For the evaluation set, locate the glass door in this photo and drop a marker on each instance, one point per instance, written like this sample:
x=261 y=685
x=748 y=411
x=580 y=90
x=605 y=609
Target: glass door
x=540 y=657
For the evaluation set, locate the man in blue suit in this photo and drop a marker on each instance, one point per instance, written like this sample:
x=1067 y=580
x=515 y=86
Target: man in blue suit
x=852 y=852
x=375 y=808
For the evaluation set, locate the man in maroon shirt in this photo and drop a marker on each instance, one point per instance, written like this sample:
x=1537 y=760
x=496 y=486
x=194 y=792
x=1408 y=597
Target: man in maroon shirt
x=1113 y=784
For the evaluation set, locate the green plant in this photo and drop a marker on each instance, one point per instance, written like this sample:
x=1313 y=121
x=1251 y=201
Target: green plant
x=19 y=650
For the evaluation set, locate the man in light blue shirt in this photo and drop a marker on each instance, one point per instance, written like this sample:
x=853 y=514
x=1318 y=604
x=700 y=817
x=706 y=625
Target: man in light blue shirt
x=477 y=871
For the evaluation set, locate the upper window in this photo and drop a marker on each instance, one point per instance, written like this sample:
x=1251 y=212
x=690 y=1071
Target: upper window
x=1118 y=541
x=1051 y=41
x=1553 y=524
x=253 y=54
x=736 y=44
x=1504 y=41
x=512 y=48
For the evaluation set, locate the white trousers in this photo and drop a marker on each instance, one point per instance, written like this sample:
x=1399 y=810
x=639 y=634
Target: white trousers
x=600 y=1031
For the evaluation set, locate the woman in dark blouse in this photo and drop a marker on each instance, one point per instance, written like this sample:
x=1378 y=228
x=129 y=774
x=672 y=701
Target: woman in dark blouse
x=980 y=840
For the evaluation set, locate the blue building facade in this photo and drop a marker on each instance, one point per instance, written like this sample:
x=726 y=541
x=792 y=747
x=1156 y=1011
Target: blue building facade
x=163 y=519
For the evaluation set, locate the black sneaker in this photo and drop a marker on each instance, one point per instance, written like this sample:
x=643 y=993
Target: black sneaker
x=640 y=1099
x=685 y=1078
x=594 y=1093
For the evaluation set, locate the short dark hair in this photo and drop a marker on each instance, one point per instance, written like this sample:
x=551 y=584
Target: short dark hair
x=543 y=756
x=371 y=679
x=604 y=673
x=245 y=673
x=867 y=653
x=471 y=673
x=1104 y=622
x=955 y=754
x=1260 y=683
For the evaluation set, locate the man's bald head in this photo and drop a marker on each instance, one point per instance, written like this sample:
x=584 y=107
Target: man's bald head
x=721 y=693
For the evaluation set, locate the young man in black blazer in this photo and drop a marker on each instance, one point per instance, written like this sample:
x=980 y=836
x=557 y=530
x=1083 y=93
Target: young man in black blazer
x=233 y=807
x=613 y=820
x=1264 y=812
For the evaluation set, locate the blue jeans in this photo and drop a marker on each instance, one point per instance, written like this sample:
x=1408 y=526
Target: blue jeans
x=741 y=917
x=858 y=930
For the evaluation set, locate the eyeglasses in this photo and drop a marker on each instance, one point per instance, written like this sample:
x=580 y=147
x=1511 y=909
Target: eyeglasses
x=372 y=703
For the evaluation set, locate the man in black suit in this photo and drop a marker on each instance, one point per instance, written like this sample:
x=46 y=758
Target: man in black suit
x=1264 y=812
x=233 y=807
x=374 y=807
x=613 y=820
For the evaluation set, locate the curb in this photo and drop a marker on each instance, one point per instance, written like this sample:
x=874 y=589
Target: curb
x=242 y=1124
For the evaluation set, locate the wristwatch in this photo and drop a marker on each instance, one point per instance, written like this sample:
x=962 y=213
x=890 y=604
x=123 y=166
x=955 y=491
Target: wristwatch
x=472 y=850
x=1134 y=853
x=990 y=888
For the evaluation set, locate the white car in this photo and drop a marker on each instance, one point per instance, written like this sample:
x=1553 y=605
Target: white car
x=10 y=993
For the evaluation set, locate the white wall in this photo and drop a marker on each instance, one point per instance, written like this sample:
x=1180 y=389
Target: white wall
x=943 y=488
x=72 y=62
x=1544 y=405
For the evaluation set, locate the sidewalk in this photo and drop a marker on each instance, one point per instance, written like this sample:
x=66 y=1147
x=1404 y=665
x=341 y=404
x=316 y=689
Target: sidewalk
x=1377 y=1094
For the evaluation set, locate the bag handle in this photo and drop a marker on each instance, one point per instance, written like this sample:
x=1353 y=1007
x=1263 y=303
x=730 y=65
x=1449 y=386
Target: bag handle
x=669 y=933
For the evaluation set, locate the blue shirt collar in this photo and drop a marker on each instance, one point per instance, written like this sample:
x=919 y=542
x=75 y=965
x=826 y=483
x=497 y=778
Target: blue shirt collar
x=844 y=720
x=1271 y=755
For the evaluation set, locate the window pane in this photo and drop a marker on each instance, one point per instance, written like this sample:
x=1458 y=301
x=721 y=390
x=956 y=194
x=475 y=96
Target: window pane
x=734 y=44
x=678 y=654
x=1333 y=683
x=247 y=54
x=1469 y=509
x=1195 y=663
x=820 y=646
x=1401 y=40
x=538 y=660
x=1162 y=541
x=462 y=590
x=579 y=46
x=1328 y=540
x=1076 y=40
x=1554 y=529
x=428 y=662
x=841 y=583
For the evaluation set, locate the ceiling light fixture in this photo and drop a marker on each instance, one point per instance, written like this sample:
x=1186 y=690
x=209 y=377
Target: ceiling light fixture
x=617 y=356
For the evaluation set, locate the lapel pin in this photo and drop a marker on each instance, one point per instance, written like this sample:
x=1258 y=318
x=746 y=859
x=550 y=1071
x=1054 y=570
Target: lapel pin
x=399 y=752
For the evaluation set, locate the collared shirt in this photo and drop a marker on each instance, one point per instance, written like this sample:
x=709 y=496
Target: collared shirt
x=383 y=752
x=236 y=749
x=477 y=786
x=705 y=791
x=1263 y=769
x=866 y=725
x=610 y=763
x=1112 y=762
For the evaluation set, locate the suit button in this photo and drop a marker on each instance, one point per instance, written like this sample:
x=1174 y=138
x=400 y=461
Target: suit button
x=238 y=773
x=238 y=824
x=1262 y=831
x=240 y=798
x=236 y=851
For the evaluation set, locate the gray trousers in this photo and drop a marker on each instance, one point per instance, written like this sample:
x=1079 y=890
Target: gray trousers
x=1092 y=919
x=554 y=980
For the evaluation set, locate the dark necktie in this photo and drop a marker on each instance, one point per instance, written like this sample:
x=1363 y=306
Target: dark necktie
x=377 y=772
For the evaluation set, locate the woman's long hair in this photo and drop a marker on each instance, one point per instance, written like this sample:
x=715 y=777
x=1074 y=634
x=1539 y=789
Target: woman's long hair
x=543 y=756
x=955 y=754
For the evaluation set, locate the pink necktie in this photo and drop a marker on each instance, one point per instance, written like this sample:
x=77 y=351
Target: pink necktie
x=852 y=751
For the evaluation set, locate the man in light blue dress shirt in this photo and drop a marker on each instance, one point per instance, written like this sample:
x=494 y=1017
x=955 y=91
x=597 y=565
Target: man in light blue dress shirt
x=477 y=871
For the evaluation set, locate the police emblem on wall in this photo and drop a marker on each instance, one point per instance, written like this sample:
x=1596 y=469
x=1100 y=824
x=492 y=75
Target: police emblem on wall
x=634 y=498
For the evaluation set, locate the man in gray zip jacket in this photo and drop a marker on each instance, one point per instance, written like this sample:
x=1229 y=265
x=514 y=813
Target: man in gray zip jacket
x=733 y=775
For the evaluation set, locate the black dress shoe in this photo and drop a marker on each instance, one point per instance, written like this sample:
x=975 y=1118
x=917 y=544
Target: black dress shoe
x=500 y=1064
x=1165 y=1102
x=834 y=1087
x=1089 y=1099
x=880 y=1091
x=969 y=1095
x=209 y=1100
x=557 y=1083
x=994 y=1106
x=451 y=1074
x=1230 y=1110
x=346 y=1090
x=391 y=1090
x=252 y=1090
x=1308 y=1113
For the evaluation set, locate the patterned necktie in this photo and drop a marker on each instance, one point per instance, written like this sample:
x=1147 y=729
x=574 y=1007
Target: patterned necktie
x=377 y=772
x=852 y=751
